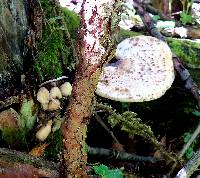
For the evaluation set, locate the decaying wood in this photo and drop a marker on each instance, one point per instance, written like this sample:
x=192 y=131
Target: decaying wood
x=17 y=164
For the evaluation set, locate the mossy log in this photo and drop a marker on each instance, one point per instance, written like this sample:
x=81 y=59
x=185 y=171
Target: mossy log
x=18 y=164
x=188 y=52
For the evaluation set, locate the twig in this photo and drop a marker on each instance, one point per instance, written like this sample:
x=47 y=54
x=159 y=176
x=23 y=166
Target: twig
x=99 y=120
x=190 y=167
x=121 y=155
x=181 y=70
x=185 y=147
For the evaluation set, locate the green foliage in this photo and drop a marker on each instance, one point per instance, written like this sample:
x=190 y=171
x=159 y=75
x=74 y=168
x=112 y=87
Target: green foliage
x=133 y=125
x=196 y=113
x=156 y=17
x=27 y=115
x=72 y=20
x=186 y=18
x=190 y=151
x=105 y=172
x=55 y=147
x=55 y=50
x=14 y=138
x=123 y=34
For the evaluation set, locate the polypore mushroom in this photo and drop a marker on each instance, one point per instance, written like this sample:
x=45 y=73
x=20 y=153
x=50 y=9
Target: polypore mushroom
x=43 y=97
x=66 y=89
x=55 y=93
x=143 y=72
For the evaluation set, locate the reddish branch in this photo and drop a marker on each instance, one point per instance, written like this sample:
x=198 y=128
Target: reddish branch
x=181 y=70
x=91 y=59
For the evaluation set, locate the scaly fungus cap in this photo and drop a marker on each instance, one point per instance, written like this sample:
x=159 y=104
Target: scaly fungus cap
x=143 y=72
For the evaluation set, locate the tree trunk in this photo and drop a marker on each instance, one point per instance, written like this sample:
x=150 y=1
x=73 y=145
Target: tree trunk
x=13 y=22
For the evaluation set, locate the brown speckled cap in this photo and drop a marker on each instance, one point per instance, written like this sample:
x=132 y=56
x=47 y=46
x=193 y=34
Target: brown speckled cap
x=143 y=72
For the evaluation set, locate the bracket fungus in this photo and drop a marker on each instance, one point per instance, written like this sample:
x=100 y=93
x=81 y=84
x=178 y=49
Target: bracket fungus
x=144 y=71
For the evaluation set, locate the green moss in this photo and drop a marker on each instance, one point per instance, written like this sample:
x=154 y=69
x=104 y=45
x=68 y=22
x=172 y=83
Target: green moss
x=27 y=114
x=72 y=20
x=186 y=50
x=54 y=51
x=54 y=149
x=123 y=34
x=195 y=73
x=14 y=138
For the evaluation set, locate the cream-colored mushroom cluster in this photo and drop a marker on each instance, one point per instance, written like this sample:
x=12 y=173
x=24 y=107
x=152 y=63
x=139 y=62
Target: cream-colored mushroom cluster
x=50 y=100
x=143 y=72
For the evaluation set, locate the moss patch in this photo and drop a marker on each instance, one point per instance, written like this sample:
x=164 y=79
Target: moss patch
x=54 y=51
x=123 y=34
x=54 y=149
x=186 y=50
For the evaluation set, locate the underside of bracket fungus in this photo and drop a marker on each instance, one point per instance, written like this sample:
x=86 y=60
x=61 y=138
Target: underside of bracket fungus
x=143 y=72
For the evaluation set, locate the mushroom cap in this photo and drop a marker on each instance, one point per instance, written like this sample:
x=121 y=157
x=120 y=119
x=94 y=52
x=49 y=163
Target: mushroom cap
x=43 y=95
x=54 y=105
x=143 y=72
x=55 y=93
x=66 y=89
x=44 y=131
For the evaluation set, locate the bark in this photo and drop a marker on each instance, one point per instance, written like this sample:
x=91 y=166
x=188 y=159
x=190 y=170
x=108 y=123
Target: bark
x=75 y=127
x=91 y=59
x=13 y=22
x=79 y=109
x=17 y=164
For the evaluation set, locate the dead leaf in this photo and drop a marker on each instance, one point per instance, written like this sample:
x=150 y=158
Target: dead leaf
x=38 y=150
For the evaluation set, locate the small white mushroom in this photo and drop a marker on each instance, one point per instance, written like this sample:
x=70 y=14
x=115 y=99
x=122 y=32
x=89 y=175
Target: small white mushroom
x=45 y=106
x=44 y=131
x=54 y=105
x=66 y=89
x=43 y=97
x=55 y=93
x=143 y=72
